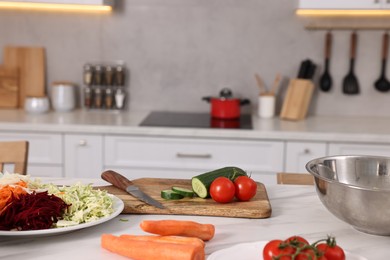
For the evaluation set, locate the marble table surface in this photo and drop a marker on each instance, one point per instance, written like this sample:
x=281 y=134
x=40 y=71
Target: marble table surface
x=296 y=210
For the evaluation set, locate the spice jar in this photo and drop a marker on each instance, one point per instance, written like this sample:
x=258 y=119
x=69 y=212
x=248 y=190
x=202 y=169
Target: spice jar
x=98 y=75
x=87 y=97
x=108 y=98
x=98 y=97
x=88 y=74
x=119 y=98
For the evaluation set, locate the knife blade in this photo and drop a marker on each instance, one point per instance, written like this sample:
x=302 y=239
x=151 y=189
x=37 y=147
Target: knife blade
x=125 y=184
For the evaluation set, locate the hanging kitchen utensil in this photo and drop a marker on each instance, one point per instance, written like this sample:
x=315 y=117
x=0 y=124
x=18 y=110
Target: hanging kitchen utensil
x=382 y=84
x=350 y=82
x=326 y=79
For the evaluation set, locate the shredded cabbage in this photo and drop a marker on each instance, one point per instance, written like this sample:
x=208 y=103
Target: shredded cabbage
x=86 y=204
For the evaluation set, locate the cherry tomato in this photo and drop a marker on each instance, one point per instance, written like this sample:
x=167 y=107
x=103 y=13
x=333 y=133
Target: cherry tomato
x=222 y=190
x=297 y=241
x=245 y=188
x=331 y=252
x=307 y=254
x=277 y=248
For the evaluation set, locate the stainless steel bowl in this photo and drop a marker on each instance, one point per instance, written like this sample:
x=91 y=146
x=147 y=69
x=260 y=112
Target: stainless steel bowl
x=356 y=189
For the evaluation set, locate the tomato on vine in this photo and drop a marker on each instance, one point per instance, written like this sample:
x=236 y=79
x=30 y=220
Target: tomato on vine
x=331 y=250
x=277 y=248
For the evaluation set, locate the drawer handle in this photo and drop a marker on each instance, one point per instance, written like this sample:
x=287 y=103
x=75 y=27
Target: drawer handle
x=306 y=151
x=83 y=142
x=192 y=155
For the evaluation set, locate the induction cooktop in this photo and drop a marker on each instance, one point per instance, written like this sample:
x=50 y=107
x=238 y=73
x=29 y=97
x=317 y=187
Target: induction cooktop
x=194 y=120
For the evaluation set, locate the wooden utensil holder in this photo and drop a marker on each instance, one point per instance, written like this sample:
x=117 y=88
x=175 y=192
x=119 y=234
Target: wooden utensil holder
x=297 y=100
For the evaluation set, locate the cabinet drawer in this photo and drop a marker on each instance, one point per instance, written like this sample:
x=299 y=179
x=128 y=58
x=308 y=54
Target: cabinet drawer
x=299 y=153
x=122 y=151
x=43 y=148
x=359 y=149
x=83 y=156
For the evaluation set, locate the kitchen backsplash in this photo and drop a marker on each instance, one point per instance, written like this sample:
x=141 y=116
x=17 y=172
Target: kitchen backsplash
x=178 y=51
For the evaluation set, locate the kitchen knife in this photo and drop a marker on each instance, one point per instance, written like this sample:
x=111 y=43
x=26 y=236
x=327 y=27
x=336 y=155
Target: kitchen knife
x=123 y=183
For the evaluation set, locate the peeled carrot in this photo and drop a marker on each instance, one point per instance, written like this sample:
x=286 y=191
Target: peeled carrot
x=179 y=228
x=150 y=250
x=172 y=239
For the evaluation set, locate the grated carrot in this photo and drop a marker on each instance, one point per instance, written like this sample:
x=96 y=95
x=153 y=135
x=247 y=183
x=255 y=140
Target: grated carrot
x=10 y=192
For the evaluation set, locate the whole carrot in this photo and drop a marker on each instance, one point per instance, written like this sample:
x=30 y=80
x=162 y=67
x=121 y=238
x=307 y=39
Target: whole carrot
x=179 y=228
x=150 y=250
x=172 y=239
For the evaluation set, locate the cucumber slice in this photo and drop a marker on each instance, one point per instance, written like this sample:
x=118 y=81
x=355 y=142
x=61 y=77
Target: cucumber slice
x=183 y=191
x=171 y=195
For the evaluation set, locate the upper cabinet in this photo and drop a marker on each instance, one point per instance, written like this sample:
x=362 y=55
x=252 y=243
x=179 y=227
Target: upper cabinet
x=345 y=4
x=59 y=5
x=71 y=2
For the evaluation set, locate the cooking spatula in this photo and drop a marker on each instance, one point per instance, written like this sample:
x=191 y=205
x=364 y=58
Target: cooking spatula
x=350 y=82
x=326 y=79
x=382 y=84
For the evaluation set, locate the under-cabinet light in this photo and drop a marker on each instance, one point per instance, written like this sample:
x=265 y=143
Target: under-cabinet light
x=46 y=6
x=349 y=12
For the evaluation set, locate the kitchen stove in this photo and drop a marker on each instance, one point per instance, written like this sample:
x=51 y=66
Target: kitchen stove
x=195 y=120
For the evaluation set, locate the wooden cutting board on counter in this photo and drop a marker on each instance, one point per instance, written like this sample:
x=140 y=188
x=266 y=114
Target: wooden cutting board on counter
x=9 y=87
x=31 y=64
x=258 y=207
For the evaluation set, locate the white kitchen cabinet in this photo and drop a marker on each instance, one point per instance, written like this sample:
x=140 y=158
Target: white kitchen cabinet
x=299 y=153
x=83 y=156
x=45 y=152
x=359 y=149
x=342 y=4
x=183 y=157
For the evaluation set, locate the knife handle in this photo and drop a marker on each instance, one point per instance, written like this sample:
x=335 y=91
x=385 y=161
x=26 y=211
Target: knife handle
x=116 y=179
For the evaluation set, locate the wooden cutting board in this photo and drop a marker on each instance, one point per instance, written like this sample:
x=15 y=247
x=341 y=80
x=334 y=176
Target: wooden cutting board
x=9 y=87
x=32 y=70
x=258 y=207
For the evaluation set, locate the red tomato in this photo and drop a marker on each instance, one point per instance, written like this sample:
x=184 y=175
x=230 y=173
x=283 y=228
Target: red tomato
x=331 y=252
x=275 y=248
x=297 y=241
x=307 y=254
x=222 y=190
x=245 y=188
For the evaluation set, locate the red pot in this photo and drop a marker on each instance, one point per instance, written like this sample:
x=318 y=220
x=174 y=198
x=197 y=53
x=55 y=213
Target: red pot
x=225 y=106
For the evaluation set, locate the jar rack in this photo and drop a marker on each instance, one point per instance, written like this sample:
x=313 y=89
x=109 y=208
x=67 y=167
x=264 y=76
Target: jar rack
x=104 y=85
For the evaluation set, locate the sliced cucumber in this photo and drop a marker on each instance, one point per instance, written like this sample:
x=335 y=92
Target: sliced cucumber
x=171 y=195
x=201 y=183
x=183 y=191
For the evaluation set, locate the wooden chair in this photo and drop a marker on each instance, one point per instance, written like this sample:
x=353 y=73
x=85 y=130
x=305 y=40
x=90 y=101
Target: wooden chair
x=294 y=178
x=16 y=154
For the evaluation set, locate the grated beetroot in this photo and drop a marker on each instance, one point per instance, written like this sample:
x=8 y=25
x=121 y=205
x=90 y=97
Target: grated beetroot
x=33 y=211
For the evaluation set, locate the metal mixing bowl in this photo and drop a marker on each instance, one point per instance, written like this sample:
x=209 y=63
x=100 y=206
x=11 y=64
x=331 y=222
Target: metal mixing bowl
x=356 y=189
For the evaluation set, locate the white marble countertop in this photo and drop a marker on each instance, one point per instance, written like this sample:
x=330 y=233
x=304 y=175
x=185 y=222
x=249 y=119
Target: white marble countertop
x=296 y=210
x=338 y=129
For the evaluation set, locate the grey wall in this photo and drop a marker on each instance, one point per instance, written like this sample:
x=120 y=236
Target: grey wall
x=178 y=51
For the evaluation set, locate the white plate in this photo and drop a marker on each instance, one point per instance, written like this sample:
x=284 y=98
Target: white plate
x=254 y=251
x=118 y=207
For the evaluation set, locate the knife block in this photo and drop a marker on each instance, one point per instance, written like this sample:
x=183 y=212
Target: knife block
x=297 y=99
